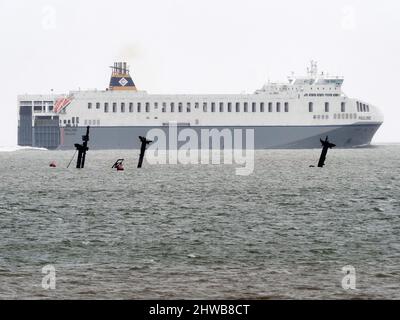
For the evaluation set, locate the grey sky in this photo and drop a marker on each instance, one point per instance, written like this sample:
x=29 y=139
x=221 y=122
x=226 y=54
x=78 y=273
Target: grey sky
x=205 y=46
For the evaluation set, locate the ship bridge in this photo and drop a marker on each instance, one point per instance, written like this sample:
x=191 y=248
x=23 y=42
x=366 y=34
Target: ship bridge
x=312 y=81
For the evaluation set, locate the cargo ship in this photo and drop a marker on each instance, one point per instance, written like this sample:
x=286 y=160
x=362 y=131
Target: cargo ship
x=292 y=114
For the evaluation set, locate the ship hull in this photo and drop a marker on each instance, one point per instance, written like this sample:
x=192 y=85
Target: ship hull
x=265 y=137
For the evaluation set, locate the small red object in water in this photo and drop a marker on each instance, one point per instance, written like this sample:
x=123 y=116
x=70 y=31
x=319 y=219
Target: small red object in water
x=53 y=164
x=120 y=167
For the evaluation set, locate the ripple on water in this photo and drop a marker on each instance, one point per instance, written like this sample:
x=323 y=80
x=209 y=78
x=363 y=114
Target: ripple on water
x=284 y=232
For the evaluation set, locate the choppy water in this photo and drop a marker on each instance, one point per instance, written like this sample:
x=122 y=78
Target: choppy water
x=201 y=231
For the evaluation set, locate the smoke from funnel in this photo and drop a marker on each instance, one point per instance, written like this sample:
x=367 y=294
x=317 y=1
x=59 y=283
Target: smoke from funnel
x=129 y=53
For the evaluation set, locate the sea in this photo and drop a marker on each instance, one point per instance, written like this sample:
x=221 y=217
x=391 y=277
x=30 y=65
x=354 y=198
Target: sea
x=200 y=231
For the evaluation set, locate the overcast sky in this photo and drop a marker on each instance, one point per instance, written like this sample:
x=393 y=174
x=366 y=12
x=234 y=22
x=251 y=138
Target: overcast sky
x=204 y=46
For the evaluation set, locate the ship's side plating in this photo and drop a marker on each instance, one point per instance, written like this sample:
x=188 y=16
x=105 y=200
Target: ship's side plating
x=265 y=137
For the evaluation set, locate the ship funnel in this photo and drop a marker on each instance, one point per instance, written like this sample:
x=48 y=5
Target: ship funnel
x=120 y=77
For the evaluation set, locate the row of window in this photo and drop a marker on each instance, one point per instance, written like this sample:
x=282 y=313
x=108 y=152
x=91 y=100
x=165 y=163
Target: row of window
x=318 y=116
x=92 y=122
x=213 y=107
x=36 y=103
x=323 y=88
x=345 y=116
x=73 y=121
x=321 y=95
x=361 y=107
x=336 y=116
x=326 y=107
x=40 y=109
x=207 y=107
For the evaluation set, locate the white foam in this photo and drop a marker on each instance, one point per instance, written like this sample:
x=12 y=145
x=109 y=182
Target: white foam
x=19 y=148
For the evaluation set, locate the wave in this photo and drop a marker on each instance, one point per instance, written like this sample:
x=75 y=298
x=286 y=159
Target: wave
x=19 y=148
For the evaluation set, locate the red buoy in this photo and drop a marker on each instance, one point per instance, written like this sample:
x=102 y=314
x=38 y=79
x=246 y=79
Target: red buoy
x=53 y=164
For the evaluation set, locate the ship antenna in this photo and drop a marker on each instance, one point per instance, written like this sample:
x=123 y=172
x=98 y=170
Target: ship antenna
x=313 y=70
